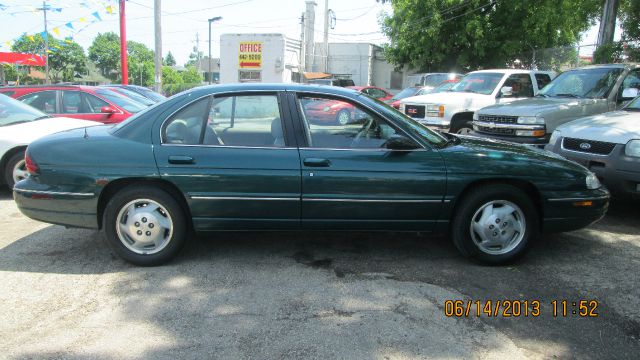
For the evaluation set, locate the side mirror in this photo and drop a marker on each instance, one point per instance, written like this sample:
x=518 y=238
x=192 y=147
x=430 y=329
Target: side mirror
x=399 y=142
x=108 y=110
x=630 y=93
x=506 y=91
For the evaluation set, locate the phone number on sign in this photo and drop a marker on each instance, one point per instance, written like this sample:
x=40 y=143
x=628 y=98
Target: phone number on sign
x=519 y=308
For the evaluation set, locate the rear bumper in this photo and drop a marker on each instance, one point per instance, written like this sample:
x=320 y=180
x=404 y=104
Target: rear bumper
x=73 y=209
x=618 y=172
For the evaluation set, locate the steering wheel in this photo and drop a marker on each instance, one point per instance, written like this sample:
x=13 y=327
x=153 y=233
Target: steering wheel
x=363 y=133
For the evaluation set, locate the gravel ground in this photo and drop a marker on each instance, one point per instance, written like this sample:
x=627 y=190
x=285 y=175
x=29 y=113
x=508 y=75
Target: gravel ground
x=64 y=294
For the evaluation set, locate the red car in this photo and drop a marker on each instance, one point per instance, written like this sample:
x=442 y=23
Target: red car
x=373 y=91
x=76 y=101
x=328 y=111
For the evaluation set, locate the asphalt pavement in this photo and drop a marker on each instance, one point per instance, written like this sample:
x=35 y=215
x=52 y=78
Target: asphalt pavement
x=301 y=295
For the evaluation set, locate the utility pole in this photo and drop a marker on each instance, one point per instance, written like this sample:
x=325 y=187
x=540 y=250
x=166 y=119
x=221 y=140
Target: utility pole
x=326 y=37
x=309 y=24
x=157 y=26
x=608 y=22
x=302 y=47
x=209 y=60
x=44 y=9
x=123 y=45
x=197 y=48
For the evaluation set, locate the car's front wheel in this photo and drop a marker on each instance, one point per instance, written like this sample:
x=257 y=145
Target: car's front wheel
x=495 y=224
x=343 y=117
x=15 y=169
x=145 y=225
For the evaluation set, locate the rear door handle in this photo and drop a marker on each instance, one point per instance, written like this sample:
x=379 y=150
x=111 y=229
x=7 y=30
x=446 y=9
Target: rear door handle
x=316 y=162
x=181 y=159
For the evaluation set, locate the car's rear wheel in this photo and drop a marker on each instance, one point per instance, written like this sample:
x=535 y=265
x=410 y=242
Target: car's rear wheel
x=145 y=225
x=15 y=170
x=495 y=224
x=343 y=117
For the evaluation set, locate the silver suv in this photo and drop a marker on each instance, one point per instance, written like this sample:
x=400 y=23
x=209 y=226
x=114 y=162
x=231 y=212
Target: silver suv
x=573 y=94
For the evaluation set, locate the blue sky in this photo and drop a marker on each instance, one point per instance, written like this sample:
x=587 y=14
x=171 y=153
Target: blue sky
x=183 y=19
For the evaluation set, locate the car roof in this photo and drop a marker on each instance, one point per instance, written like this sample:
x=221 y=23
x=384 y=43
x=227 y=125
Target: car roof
x=52 y=87
x=327 y=89
x=511 y=71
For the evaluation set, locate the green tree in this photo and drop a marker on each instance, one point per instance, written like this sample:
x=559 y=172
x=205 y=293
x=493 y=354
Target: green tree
x=141 y=65
x=169 y=60
x=66 y=57
x=191 y=76
x=445 y=35
x=194 y=57
x=105 y=53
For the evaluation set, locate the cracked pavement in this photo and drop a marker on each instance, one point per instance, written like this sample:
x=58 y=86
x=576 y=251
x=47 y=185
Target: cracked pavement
x=64 y=294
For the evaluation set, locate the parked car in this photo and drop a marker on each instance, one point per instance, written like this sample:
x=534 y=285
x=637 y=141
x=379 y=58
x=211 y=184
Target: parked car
x=373 y=91
x=76 y=101
x=431 y=80
x=19 y=125
x=453 y=110
x=405 y=93
x=608 y=144
x=421 y=90
x=141 y=90
x=332 y=82
x=244 y=157
x=131 y=95
x=575 y=93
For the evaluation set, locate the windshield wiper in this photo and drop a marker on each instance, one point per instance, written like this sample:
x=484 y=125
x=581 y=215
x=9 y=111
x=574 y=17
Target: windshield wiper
x=542 y=95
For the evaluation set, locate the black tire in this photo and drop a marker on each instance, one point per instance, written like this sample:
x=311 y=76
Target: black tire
x=468 y=241
x=169 y=211
x=11 y=164
x=342 y=115
x=462 y=127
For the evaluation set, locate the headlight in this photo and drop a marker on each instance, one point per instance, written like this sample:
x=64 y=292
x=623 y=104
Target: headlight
x=592 y=181
x=632 y=148
x=435 y=110
x=554 y=137
x=530 y=120
x=326 y=108
x=531 y=133
x=475 y=116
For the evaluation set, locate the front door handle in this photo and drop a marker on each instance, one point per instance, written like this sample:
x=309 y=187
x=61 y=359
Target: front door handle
x=181 y=159
x=316 y=162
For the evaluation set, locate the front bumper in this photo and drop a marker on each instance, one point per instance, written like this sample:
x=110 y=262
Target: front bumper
x=528 y=140
x=567 y=211
x=618 y=172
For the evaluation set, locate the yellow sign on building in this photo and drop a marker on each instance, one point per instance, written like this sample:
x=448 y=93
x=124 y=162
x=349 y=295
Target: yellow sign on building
x=250 y=55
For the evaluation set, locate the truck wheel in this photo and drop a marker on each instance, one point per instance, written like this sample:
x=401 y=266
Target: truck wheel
x=144 y=225
x=15 y=170
x=462 y=128
x=494 y=224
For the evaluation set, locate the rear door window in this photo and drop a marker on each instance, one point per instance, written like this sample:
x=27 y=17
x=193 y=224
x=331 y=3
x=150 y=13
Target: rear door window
x=44 y=101
x=521 y=85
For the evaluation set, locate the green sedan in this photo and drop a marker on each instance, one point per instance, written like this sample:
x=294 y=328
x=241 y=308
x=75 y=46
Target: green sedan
x=249 y=157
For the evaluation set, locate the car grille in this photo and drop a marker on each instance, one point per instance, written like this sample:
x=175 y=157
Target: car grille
x=414 y=111
x=497 y=131
x=499 y=119
x=588 y=146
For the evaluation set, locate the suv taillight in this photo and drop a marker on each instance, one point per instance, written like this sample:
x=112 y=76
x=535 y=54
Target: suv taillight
x=32 y=167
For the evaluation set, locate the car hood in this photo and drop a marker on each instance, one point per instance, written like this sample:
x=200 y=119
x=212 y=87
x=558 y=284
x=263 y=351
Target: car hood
x=533 y=107
x=25 y=133
x=473 y=155
x=445 y=98
x=616 y=127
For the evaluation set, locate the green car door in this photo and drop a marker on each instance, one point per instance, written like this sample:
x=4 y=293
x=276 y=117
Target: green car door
x=230 y=156
x=364 y=173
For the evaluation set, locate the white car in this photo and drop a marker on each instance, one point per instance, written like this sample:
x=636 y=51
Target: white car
x=453 y=110
x=608 y=144
x=20 y=124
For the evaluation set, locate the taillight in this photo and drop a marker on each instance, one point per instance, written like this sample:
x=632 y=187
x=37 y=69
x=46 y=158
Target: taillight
x=30 y=165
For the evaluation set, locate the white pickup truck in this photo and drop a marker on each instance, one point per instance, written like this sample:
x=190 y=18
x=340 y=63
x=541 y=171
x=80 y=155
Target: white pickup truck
x=453 y=110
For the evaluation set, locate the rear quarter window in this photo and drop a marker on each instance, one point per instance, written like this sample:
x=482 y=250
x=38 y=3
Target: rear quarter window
x=542 y=80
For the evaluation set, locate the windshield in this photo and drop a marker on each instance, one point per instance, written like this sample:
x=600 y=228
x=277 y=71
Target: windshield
x=583 y=83
x=152 y=95
x=134 y=96
x=479 y=83
x=410 y=91
x=14 y=112
x=435 y=79
x=415 y=127
x=127 y=104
